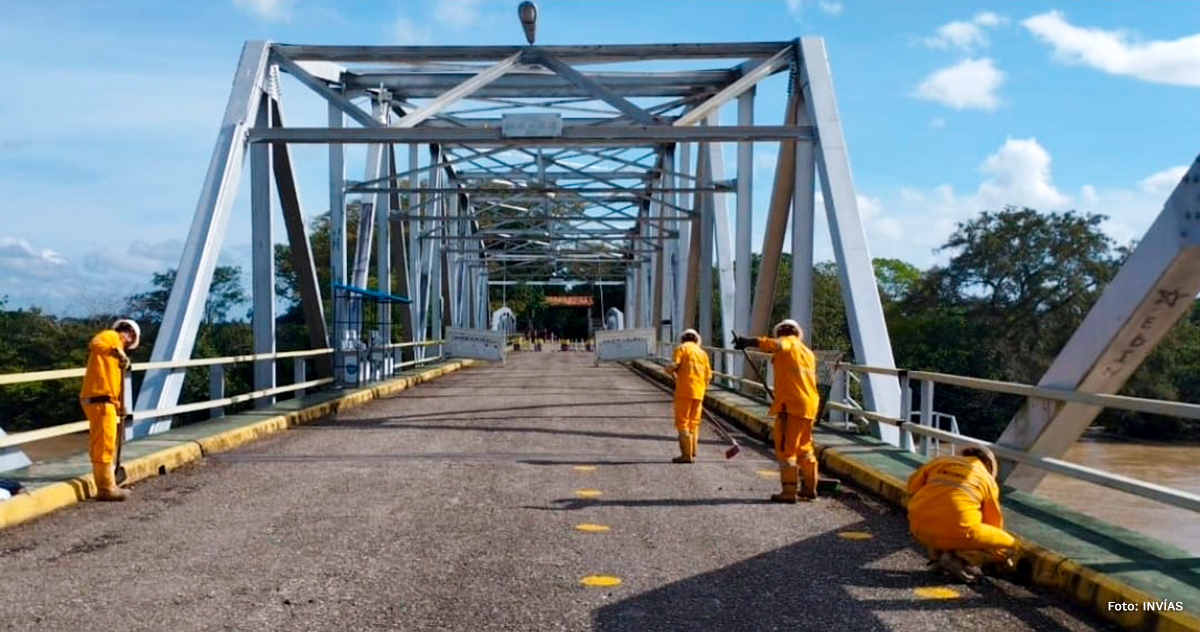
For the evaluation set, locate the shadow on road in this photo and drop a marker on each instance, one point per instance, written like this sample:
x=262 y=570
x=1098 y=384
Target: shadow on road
x=822 y=583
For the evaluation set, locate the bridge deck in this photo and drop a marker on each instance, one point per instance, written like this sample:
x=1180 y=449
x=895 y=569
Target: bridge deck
x=453 y=506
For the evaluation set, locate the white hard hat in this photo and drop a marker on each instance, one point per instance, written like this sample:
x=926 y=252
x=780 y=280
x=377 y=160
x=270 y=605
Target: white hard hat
x=692 y=332
x=787 y=323
x=137 y=331
x=984 y=455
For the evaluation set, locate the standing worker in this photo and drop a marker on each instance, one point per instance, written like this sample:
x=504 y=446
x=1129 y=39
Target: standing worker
x=101 y=398
x=692 y=373
x=954 y=510
x=794 y=407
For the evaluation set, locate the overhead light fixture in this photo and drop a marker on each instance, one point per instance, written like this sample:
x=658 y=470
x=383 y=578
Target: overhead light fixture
x=527 y=11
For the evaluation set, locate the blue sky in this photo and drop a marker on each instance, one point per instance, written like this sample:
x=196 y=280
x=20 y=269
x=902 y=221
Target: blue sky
x=110 y=111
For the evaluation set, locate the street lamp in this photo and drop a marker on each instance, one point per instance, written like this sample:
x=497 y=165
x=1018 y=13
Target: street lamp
x=527 y=11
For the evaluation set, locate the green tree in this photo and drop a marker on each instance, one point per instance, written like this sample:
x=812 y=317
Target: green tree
x=225 y=293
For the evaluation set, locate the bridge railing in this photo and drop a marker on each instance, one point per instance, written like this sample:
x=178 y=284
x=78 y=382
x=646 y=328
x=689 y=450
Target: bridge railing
x=924 y=421
x=217 y=399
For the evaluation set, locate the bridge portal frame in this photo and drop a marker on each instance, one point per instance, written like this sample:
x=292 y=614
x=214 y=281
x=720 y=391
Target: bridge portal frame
x=623 y=173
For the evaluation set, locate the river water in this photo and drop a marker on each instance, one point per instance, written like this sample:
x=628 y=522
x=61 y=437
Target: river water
x=1171 y=465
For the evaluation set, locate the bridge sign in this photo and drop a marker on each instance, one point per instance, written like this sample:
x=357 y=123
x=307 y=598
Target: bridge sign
x=624 y=344
x=481 y=344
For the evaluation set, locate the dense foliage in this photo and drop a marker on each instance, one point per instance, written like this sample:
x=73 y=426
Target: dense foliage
x=1014 y=287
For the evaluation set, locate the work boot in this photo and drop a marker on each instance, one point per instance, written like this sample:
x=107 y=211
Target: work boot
x=106 y=483
x=686 y=455
x=788 y=475
x=954 y=566
x=809 y=490
x=695 y=443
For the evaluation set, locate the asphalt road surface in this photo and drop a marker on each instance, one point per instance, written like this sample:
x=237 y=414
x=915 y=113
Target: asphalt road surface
x=455 y=506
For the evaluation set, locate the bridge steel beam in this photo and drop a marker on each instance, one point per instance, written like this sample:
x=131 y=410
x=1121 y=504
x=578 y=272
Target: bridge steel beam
x=601 y=176
x=185 y=306
x=300 y=248
x=719 y=202
x=860 y=292
x=263 y=258
x=1155 y=287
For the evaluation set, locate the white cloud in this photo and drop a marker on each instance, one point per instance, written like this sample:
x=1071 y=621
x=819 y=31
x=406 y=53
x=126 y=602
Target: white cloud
x=456 y=13
x=140 y=258
x=965 y=35
x=969 y=84
x=1175 y=62
x=1088 y=194
x=406 y=32
x=265 y=9
x=796 y=8
x=830 y=8
x=1163 y=182
x=1019 y=174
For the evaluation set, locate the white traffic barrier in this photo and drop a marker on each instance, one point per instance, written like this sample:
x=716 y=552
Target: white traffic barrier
x=624 y=344
x=480 y=344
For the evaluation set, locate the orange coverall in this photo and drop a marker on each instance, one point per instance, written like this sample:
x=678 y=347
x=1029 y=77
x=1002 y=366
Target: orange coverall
x=954 y=505
x=102 y=378
x=692 y=373
x=796 y=399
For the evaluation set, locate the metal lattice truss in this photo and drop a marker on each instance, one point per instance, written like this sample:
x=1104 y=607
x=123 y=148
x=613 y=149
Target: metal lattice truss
x=563 y=164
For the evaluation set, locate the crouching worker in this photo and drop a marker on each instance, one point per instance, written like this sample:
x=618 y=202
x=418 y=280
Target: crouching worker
x=954 y=510
x=101 y=398
x=692 y=374
x=794 y=407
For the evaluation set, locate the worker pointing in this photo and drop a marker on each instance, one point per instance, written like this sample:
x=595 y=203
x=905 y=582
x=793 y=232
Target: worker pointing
x=101 y=400
x=692 y=372
x=794 y=407
x=954 y=510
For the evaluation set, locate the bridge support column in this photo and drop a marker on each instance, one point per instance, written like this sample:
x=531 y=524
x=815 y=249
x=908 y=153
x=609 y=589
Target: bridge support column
x=263 y=283
x=719 y=205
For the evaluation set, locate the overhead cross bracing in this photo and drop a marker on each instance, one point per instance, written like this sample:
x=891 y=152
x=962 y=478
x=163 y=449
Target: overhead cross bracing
x=545 y=164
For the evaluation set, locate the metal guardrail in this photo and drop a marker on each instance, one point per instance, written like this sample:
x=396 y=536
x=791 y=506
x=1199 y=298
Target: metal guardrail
x=1160 y=493
x=1167 y=495
x=21 y=438
x=1119 y=402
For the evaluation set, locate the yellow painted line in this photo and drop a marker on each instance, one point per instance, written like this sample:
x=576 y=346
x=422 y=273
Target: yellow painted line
x=767 y=473
x=854 y=535
x=600 y=580
x=588 y=493
x=936 y=592
x=592 y=527
x=585 y=468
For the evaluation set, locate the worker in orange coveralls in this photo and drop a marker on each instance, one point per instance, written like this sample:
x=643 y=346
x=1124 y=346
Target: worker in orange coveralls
x=954 y=510
x=692 y=373
x=794 y=407
x=101 y=398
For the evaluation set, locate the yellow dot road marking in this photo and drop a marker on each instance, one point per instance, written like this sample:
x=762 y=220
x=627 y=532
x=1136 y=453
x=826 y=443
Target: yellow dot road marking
x=936 y=592
x=767 y=473
x=592 y=527
x=585 y=468
x=600 y=580
x=854 y=535
x=588 y=493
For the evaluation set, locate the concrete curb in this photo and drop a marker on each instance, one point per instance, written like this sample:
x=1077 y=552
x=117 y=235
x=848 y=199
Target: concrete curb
x=44 y=500
x=1048 y=569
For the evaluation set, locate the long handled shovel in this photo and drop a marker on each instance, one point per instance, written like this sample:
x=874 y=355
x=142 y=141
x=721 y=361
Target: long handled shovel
x=124 y=417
